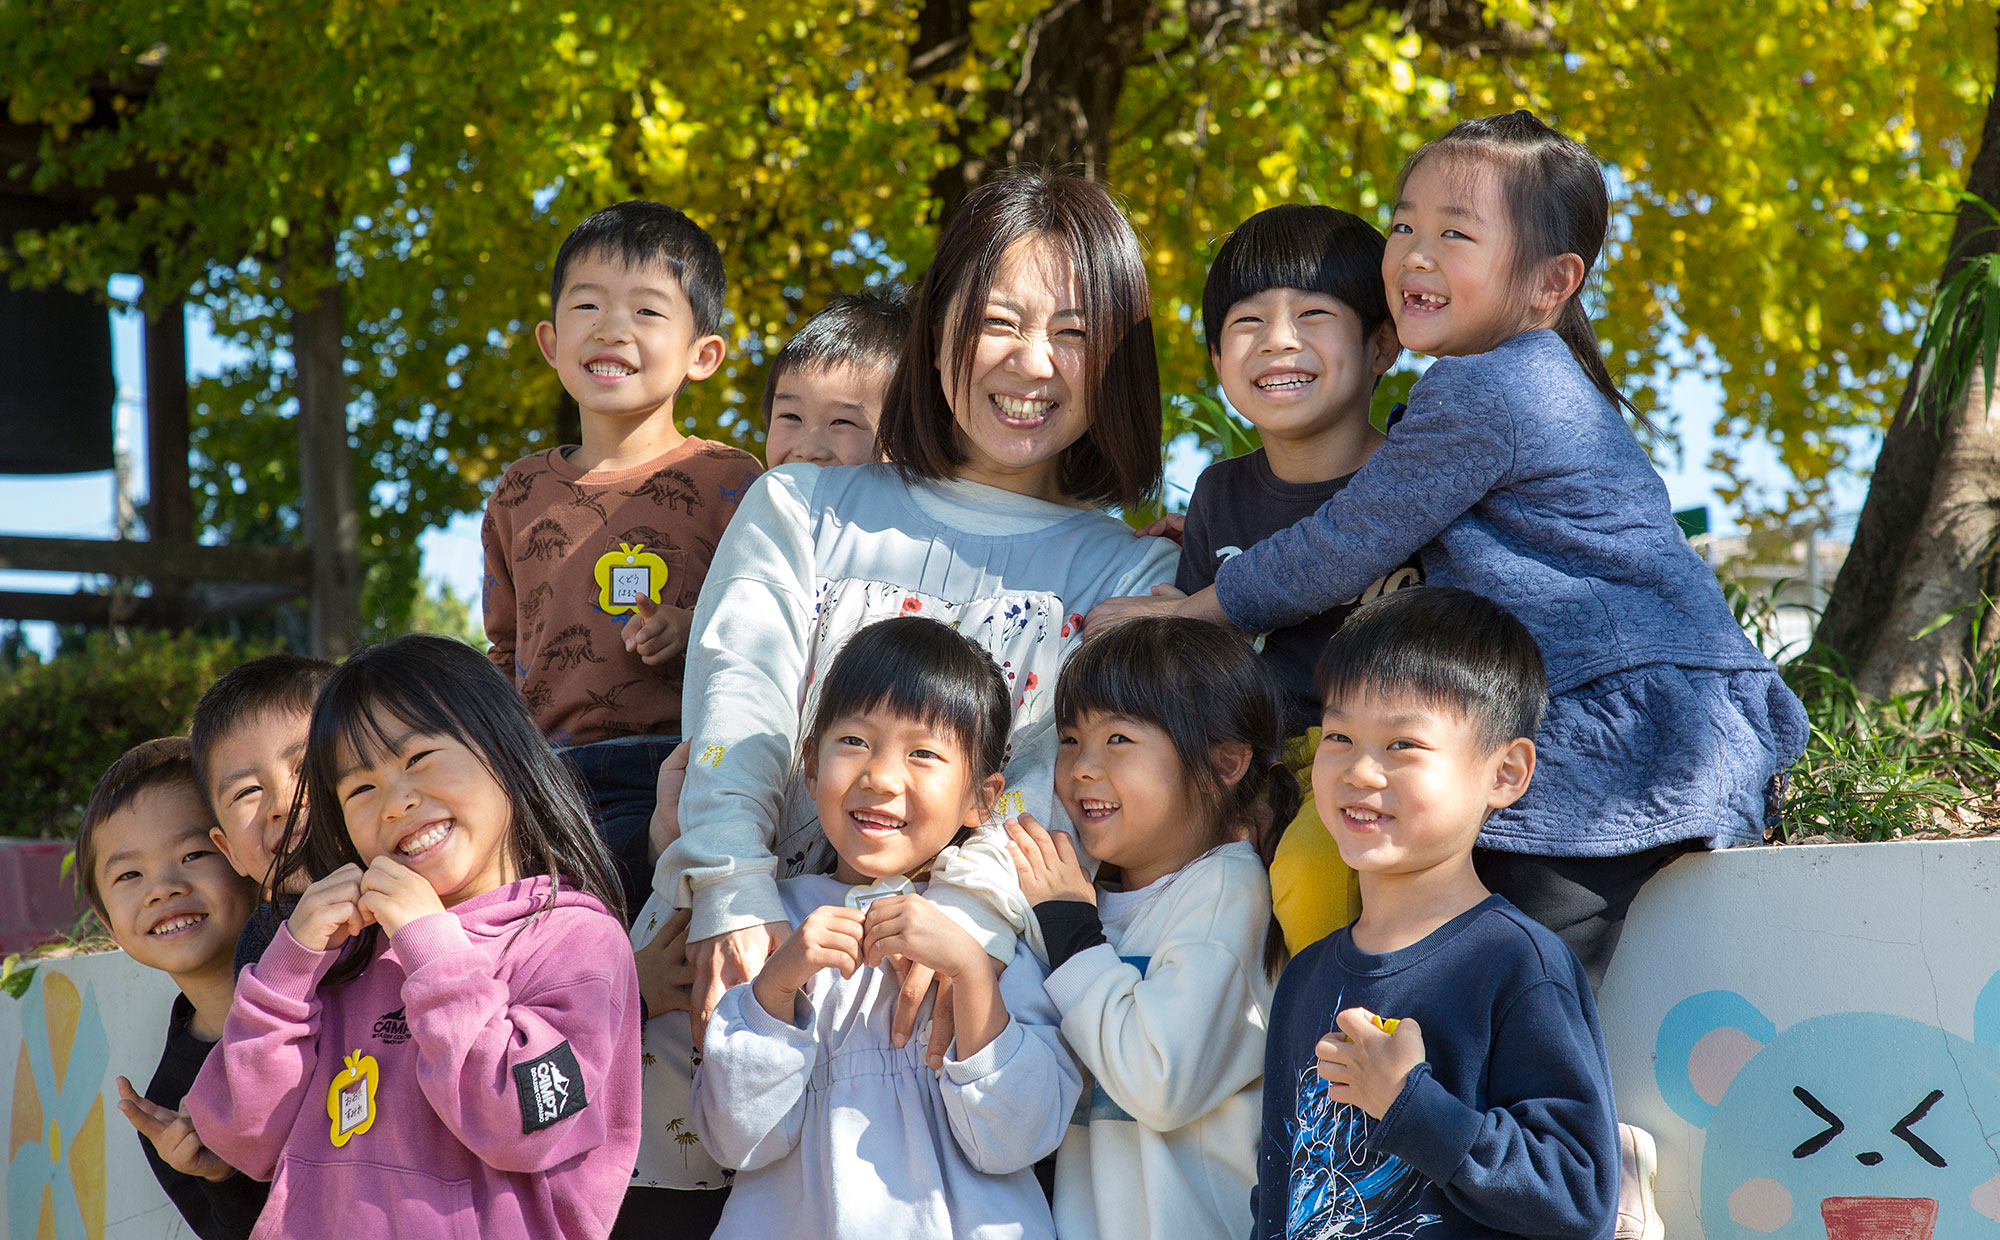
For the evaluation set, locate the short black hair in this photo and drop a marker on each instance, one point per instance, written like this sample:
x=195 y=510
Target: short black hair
x=148 y=764
x=1118 y=459
x=1446 y=647
x=245 y=694
x=1315 y=249
x=864 y=330
x=914 y=667
x=639 y=233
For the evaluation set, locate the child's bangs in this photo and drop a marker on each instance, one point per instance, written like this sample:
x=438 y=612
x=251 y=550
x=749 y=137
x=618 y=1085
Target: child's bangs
x=928 y=696
x=1109 y=676
x=366 y=715
x=917 y=669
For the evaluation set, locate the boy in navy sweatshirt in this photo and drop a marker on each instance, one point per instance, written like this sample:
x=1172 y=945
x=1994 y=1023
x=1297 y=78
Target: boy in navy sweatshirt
x=1435 y=1070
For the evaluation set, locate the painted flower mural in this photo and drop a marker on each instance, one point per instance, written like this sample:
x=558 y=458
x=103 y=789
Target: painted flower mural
x=55 y=1146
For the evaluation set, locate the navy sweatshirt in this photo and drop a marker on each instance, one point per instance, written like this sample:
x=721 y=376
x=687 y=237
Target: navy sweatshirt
x=1507 y=1129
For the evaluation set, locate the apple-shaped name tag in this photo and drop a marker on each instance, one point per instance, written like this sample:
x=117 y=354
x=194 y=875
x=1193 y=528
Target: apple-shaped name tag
x=628 y=574
x=350 y=1101
x=859 y=898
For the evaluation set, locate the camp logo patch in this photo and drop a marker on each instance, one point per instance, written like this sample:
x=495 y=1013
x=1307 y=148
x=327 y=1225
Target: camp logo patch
x=391 y=1029
x=551 y=1088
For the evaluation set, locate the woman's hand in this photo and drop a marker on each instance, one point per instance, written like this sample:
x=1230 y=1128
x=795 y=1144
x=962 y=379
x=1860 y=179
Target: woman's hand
x=724 y=960
x=829 y=938
x=393 y=895
x=329 y=912
x=1046 y=863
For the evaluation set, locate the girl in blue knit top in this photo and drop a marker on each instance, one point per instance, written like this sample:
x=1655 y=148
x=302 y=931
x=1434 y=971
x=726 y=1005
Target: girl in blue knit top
x=1514 y=475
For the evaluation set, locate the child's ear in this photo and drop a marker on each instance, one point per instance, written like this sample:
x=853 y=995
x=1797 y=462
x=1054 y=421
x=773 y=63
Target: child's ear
x=1384 y=348
x=221 y=842
x=708 y=354
x=1231 y=761
x=984 y=796
x=1561 y=277
x=812 y=770
x=1514 y=767
x=545 y=337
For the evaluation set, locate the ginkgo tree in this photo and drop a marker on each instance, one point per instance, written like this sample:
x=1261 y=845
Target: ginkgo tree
x=1773 y=167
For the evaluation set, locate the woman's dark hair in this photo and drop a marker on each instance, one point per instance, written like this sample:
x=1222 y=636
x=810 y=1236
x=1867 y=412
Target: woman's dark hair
x=919 y=669
x=1314 y=249
x=1553 y=190
x=1118 y=460
x=1203 y=686
x=441 y=686
x=1446 y=647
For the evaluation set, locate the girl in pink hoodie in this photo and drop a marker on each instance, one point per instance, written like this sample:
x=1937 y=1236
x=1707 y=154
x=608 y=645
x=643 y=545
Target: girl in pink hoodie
x=443 y=1040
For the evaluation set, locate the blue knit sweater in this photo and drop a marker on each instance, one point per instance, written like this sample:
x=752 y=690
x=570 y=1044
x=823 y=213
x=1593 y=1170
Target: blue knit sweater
x=1521 y=482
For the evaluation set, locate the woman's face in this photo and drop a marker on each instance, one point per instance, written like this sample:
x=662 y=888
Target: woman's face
x=1022 y=400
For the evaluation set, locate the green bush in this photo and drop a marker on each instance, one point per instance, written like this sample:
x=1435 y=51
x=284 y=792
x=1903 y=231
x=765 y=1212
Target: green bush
x=63 y=722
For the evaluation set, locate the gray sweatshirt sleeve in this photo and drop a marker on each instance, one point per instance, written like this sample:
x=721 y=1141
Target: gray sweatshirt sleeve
x=749 y=1100
x=1455 y=444
x=1010 y=1103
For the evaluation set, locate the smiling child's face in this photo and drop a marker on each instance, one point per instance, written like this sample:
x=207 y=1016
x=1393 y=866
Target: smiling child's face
x=623 y=339
x=892 y=792
x=826 y=415
x=1297 y=363
x=255 y=772
x=171 y=899
x=428 y=801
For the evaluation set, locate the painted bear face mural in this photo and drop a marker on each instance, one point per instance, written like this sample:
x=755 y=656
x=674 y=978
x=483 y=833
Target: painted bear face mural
x=1854 y=1126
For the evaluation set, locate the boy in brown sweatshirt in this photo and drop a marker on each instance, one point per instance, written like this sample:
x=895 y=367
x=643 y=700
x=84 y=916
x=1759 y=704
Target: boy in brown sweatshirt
x=595 y=552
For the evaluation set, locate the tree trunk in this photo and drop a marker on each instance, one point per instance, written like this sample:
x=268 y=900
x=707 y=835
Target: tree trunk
x=1060 y=109
x=326 y=469
x=1922 y=546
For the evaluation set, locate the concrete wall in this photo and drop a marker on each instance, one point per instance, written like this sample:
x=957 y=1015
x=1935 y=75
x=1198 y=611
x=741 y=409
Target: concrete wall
x=1860 y=977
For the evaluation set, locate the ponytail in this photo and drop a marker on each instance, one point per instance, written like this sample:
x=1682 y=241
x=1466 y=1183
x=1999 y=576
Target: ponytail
x=1574 y=327
x=1282 y=799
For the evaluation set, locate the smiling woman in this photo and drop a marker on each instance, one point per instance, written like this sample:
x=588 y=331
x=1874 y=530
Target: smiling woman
x=1025 y=396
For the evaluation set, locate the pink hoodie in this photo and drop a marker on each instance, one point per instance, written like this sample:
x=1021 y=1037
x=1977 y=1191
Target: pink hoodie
x=506 y=1049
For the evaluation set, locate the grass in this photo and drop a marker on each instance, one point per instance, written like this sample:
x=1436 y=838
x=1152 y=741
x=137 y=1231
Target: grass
x=1920 y=765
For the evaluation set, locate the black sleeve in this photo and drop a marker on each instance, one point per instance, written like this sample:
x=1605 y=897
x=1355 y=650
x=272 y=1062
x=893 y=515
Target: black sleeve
x=1068 y=927
x=233 y=1206
x=1197 y=566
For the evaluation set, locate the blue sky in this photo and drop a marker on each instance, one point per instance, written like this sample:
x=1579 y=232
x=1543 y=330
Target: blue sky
x=82 y=505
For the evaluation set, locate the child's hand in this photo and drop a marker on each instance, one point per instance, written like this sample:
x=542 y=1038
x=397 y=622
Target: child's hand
x=917 y=931
x=329 y=911
x=1172 y=526
x=1365 y=1066
x=173 y=1136
x=393 y=895
x=656 y=632
x=1046 y=863
x=665 y=827
x=829 y=938
x=665 y=976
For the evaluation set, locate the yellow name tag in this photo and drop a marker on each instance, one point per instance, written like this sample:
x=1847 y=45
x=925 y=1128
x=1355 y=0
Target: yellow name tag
x=627 y=575
x=350 y=1100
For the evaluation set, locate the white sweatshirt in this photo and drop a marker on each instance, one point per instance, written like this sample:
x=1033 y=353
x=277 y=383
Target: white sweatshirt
x=837 y=1134
x=1168 y=1019
x=812 y=556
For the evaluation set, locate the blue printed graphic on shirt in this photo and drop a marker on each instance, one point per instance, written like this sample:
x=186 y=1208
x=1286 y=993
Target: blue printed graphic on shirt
x=1337 y=1188
x=1094 y=1104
